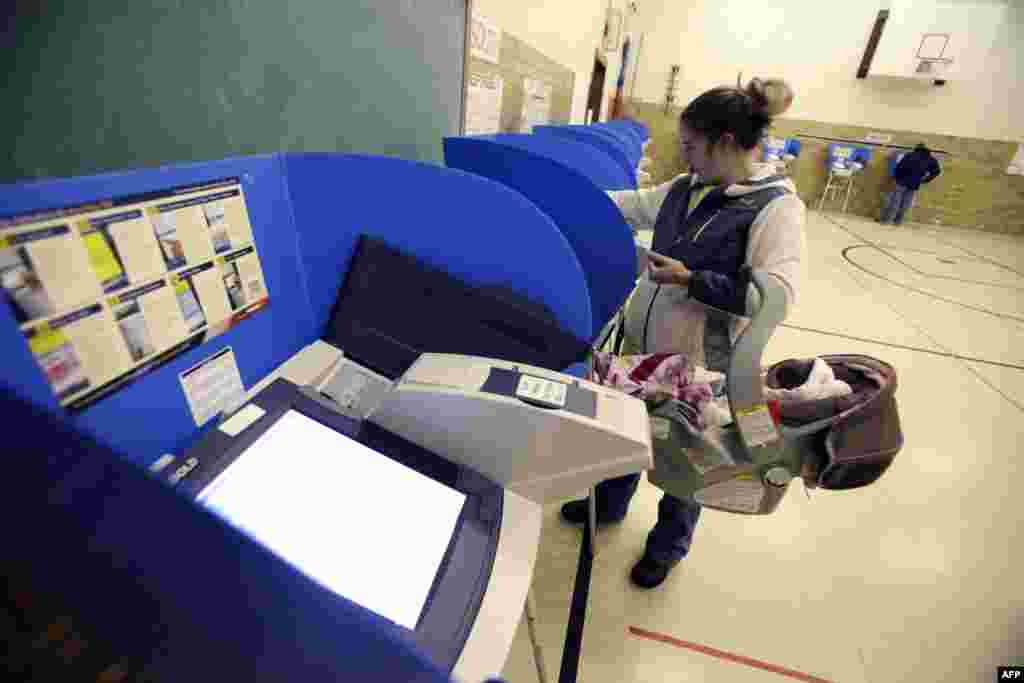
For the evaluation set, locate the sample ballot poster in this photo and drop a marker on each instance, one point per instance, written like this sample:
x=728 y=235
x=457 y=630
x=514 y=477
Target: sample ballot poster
x=484 y=39
x=483 y=104
x=108 y=291
x=536 y=104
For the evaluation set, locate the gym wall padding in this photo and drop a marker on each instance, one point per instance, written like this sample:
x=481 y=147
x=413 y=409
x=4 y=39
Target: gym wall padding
x=89 y=89
x=306 y=213
x=550 y=172
x=607 y=143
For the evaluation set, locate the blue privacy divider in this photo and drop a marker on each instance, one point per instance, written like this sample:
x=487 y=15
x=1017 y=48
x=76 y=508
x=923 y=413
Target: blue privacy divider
x=150 y=416
x=476 y=229
x=550 y=173
x=600 y=168
x=625 y=130
x=165 y=585
x=306 y=212
x=639 y=128
x=602 y=140
x=625 y=137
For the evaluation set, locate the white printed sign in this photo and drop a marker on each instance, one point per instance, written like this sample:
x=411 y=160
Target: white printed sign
x=484 y=39
x=536 y=104
x=483 y=104
x=213 y=386
x=1017 y=163
x=878 y=138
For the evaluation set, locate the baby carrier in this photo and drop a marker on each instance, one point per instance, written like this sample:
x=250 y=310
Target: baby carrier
x=745 y=461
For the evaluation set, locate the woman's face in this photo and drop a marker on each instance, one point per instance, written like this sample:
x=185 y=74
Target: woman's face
x=697 y=152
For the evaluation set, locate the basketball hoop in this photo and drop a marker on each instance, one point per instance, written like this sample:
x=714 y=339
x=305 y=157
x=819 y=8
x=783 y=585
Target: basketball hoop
x=932 y=69
x=932 y=64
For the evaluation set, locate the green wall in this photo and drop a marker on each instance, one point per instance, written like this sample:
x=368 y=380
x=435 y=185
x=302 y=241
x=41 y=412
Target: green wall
x=96 y=86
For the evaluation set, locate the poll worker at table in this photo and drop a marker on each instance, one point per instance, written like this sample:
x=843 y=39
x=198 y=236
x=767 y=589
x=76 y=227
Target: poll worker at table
x=728 y=212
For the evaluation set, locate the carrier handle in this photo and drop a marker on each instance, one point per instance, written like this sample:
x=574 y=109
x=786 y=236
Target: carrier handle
x=745 y=385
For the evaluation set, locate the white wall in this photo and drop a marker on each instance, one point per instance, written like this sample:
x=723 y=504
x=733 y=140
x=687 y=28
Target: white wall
x=817 y=45
x=567 y=31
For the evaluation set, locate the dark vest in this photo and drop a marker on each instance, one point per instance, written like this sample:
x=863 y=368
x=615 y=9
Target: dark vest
x=713 y=237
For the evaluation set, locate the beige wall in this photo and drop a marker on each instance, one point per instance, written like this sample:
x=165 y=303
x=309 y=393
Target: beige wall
x=817 y=45
x=567 y=31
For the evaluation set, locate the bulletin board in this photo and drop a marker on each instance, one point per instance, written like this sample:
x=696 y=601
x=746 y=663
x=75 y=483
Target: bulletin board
x=510 y=86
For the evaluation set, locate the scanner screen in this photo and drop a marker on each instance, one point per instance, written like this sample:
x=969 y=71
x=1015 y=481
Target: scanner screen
x=353 y=520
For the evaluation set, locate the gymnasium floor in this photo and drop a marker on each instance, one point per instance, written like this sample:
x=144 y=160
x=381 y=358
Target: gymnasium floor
x=913 y=578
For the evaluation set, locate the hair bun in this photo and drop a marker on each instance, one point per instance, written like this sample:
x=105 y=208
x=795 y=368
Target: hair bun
x=771 y=97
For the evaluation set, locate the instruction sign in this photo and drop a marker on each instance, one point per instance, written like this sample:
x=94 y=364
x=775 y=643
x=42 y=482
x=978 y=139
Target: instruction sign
x=484 y=39
x=213 y=386
x=108 y=291
x=536 y=104
x=483 y=104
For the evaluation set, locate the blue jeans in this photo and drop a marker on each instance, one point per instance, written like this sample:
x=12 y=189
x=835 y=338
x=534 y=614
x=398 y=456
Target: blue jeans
x=670 y=539
x=900 y=200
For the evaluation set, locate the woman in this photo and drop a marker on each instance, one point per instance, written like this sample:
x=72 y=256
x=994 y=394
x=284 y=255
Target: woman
x=728 y=212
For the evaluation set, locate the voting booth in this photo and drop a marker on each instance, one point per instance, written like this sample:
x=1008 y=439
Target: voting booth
x=238 y=324
x=567 y=180
x=607 y=142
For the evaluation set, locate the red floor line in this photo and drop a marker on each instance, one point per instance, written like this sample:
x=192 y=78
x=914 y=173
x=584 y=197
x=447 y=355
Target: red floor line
x=722 y=654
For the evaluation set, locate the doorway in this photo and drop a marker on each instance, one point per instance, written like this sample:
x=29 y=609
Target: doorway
x=596 y=92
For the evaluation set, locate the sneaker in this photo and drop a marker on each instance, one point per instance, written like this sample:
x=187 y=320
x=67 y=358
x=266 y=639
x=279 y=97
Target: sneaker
x=576 y=513
x=649 y=574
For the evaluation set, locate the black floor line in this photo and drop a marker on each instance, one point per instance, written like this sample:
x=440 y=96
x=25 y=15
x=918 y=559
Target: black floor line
x=869 y=243
x=980 y=257
x=888 y=249
x=972 y=370
x=918 y=349
x=923 y=292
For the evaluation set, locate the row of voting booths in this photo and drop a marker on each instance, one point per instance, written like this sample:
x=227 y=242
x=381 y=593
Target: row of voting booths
x=527 y=215
x=101 y=329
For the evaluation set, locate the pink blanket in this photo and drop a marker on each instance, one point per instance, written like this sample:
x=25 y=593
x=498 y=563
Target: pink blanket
x=655 y=378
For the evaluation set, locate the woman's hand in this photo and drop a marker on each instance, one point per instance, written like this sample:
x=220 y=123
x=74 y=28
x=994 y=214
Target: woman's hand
x=667 y=271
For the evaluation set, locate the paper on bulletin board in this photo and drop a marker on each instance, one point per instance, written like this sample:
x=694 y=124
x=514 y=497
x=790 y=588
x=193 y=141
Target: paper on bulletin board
x=483 y=104
x=484 y=39
x=213 y=386
x=536 y=104
x=1017 y=163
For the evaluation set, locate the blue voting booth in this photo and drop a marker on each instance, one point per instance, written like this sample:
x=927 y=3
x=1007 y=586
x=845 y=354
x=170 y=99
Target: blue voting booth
x=306 y=212
x=610 y=143
x=567 y=180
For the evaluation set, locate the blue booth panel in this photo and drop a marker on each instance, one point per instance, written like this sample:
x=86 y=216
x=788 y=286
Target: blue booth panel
x=145 y=579
x=602 y=140
x=150 y=415
x=546 y=173
x=625 y=129
x=306 y=213
x=601 y=169
x=475 y=228
x=626 y=136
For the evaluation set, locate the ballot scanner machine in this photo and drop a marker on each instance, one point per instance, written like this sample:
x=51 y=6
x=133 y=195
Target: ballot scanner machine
x=243 y=260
